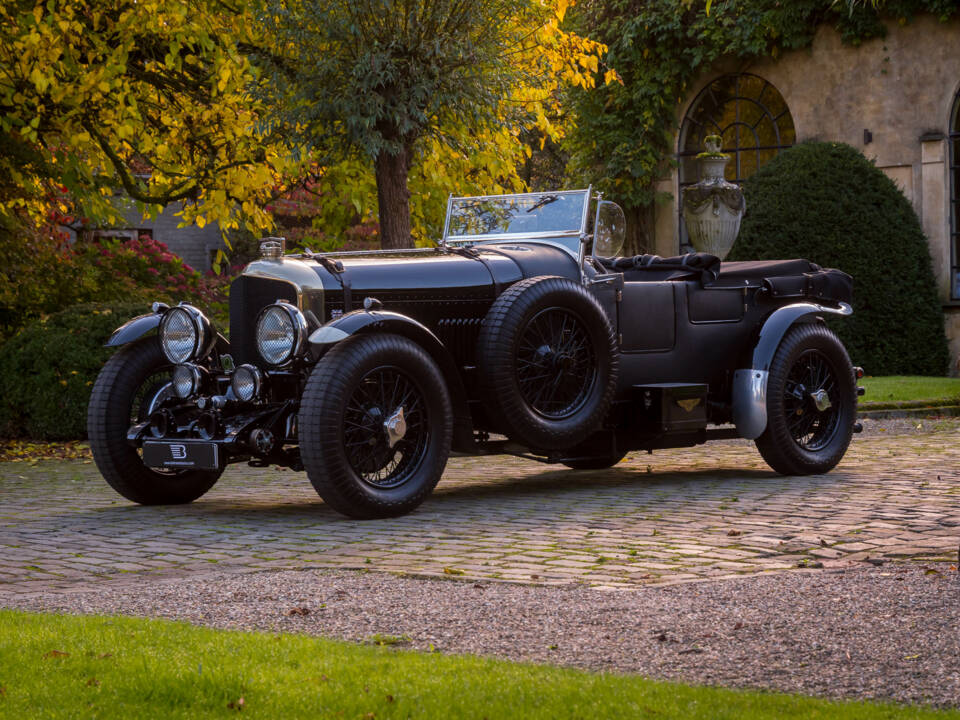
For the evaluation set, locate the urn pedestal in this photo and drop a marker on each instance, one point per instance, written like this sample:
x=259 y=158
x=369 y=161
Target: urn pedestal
x=713 y=207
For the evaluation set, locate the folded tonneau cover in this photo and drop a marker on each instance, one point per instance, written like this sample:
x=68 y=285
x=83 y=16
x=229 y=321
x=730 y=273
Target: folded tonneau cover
x=780 y=278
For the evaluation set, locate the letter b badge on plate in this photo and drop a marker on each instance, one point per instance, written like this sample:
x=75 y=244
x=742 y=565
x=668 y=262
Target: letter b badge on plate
x=181 y=455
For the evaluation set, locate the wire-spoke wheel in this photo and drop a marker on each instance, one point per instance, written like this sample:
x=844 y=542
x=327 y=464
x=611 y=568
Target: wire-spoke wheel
x=386 y=429
x=375 y=426
x=130 y=387
x=547 y=363
x=811 y=403
x=556 y=366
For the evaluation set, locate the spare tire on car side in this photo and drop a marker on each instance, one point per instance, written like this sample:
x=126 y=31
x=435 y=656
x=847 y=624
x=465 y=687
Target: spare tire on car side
x=547 y=363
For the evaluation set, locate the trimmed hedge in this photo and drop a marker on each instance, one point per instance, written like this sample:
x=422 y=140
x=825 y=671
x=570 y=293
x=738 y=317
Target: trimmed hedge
x=48 y=368
x=827 y=203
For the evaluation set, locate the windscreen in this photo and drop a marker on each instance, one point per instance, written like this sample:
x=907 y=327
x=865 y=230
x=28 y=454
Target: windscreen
x=534 y=215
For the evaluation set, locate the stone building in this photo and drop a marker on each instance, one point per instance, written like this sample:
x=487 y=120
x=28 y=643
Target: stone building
x=897 y=99
x=197 y=246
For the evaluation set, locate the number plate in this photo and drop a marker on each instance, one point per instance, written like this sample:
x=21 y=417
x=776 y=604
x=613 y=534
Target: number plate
x=181 y=454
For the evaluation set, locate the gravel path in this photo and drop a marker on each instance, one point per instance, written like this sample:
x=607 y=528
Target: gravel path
x=887 y=632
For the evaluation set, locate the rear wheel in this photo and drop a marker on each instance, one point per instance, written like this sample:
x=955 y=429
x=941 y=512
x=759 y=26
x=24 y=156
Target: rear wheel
x=375 y=426
x=129 y=387
x=811 y=403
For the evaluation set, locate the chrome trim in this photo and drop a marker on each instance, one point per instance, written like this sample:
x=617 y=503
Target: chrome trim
x=300 y=273
x=195 y=379
x=821 y=398
x=446 y=221
x=272 y=247
x=584 y=238
x=526 y=194
x=543 y=234
x=206 y=336
x=750 y=402
x=299 y=332
x=395 y=427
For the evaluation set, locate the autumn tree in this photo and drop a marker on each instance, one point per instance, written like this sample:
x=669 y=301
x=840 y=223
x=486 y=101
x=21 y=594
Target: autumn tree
x=148 y=97
x=384 y=79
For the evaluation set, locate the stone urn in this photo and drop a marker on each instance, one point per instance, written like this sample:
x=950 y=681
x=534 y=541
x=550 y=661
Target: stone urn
x=713 y=207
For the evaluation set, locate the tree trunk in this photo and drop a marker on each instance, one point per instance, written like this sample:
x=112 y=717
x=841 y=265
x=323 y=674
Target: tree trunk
x=639 y=238
x=394 y=199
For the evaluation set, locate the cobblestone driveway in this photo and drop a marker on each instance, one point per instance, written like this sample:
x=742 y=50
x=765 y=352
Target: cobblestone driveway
x=673 y=516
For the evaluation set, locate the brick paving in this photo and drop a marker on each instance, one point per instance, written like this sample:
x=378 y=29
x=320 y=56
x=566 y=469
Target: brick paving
x=674 y=516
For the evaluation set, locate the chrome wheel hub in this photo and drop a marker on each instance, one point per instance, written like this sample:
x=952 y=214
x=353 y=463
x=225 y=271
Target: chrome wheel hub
x=395 y=427
x=821 y=399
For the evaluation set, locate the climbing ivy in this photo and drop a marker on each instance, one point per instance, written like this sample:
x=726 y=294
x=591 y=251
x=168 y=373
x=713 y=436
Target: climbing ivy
x=624 y=133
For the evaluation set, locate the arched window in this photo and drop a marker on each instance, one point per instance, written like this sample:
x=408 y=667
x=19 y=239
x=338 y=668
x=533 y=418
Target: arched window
x=749 y=114
x=955 y=199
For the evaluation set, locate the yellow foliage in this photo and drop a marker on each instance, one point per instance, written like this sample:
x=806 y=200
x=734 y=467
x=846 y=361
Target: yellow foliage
x=76 y=83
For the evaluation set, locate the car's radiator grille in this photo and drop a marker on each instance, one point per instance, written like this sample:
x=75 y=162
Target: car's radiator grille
x=248 y=296
x=459 y=335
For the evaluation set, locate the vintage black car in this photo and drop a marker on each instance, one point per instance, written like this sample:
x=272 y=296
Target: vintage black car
x=519 y=333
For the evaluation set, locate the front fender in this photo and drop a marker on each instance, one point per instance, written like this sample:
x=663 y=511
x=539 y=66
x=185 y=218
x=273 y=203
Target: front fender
x=750 y=384
x=365 y=321
x=133 y=329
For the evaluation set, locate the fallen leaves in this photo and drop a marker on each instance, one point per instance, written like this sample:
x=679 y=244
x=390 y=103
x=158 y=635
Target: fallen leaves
x=56 y=654
x=28 y=451
x=93 y=682
x=301 y=611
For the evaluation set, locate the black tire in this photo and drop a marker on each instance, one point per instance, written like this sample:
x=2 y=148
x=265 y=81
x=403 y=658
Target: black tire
x=801 y=439
x=120 y=398
x=547 y=363
x=597 y=463
x=345 y=448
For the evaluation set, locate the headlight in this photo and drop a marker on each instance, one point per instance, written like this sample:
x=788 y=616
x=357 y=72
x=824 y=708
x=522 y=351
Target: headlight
x=246 y=382
x=185 y=334
x=281 y=329
x=186 y=381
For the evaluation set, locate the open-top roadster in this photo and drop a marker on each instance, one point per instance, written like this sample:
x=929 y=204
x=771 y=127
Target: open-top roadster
x=520 y=333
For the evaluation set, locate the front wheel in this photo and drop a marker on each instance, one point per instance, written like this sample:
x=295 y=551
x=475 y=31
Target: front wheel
x=375 y=426
x=129 y=387
x=811 y=403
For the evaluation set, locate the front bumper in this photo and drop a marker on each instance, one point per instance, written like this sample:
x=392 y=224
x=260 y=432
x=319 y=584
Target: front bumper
x=209 y=440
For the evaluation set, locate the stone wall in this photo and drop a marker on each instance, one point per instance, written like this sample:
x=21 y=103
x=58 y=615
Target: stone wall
x=900 y=89
x=194 y=244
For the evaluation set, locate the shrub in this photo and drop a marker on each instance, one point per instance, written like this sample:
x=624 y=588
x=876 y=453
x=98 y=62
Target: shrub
x=826 y=202
x=48 y=368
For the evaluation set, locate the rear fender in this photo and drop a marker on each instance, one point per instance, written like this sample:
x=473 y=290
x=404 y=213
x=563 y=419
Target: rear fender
x=384 y=321
x=750 y=384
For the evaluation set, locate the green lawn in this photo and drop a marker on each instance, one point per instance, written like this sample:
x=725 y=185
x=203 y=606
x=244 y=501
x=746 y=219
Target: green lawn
x=54 y=666
x=909 y=391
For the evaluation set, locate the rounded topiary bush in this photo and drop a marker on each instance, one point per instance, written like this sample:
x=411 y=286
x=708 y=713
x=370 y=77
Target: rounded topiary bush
x=827 y=203
x=48 y=368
